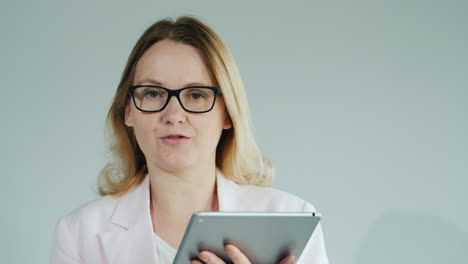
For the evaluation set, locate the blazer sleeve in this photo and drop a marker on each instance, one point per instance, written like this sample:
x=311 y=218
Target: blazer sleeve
x=314 y=251
x=64 y=250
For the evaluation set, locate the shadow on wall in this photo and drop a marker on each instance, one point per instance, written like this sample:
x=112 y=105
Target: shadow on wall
x=404 y=237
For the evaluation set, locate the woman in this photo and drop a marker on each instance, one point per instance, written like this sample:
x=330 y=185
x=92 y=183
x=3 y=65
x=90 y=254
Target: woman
x=182 y=144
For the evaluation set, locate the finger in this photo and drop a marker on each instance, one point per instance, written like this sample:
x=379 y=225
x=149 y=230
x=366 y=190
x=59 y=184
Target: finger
x=289 y=260
x=195 y=262
x=236 y=255
x=210 y=258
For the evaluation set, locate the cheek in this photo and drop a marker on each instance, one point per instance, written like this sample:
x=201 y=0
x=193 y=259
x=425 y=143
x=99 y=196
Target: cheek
x=143 y=129
x=210 y=131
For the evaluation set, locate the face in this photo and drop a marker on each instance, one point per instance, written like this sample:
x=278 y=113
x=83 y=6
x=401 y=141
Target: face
x=175 y=65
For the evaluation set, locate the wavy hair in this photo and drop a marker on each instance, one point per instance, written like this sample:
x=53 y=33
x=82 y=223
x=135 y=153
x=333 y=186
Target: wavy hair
x=237 y=154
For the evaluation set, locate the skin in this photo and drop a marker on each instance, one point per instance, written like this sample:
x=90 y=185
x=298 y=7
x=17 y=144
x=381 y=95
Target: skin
x=182 y=176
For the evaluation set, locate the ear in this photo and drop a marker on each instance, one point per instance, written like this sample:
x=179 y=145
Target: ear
x=128 y=115
x=227 y=121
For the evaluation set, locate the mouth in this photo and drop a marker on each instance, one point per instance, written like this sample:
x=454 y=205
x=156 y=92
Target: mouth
x=174 y=139
x=174 y=136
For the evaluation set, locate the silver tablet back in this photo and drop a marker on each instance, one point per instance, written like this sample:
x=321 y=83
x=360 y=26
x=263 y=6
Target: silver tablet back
x=265 y=238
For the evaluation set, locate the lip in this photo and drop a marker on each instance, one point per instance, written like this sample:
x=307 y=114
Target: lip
x=167 y=139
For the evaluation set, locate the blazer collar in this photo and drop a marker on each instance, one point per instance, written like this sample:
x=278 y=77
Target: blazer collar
x=134 y=207
x=226 y=190
x=130 y=237
x=131 y=240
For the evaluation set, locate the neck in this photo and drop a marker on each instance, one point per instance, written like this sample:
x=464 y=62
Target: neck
x=179 y=194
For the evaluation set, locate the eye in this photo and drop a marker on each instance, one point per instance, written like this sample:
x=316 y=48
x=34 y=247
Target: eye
x=196 y=95
x=152 y=94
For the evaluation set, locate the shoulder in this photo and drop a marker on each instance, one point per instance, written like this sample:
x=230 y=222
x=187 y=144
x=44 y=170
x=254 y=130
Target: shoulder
x=92 y=212
x=239 y=197
x=77 y=230
x=271 y=199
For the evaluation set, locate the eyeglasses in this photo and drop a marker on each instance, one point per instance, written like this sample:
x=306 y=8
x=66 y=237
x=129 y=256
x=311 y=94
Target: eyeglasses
x=193 y=99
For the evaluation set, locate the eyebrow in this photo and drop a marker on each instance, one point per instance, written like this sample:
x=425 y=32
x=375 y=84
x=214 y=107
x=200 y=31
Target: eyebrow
x=158 y=83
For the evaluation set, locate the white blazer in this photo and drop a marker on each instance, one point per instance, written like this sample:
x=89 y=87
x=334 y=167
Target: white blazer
x=114 y=230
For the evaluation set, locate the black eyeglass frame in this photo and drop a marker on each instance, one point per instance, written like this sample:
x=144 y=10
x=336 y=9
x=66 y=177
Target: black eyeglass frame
x=171 y=93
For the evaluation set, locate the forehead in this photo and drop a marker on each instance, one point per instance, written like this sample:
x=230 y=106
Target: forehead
x=172 y=64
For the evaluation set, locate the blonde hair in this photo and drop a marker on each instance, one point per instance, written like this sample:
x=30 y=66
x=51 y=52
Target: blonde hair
x=237 y=154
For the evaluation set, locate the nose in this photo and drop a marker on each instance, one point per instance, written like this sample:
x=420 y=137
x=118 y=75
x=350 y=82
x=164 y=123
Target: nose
x=173 y=113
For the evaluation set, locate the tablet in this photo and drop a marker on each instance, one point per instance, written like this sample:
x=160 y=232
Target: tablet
x=265 y=238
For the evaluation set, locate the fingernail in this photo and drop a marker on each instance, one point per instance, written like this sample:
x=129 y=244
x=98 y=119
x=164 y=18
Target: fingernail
x=294 y=259
x=228 y=250
x=204 y=257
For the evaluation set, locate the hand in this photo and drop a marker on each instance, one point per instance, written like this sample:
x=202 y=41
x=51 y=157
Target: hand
x=236 y=256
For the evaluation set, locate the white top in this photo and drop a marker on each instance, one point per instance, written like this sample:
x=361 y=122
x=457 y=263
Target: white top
x=166 y=252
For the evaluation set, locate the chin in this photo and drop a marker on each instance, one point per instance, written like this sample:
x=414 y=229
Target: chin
x=176 y=164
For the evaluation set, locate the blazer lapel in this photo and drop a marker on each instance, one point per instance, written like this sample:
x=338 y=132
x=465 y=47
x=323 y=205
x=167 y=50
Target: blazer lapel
x=227 y=196
x=130 y=238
